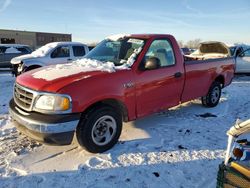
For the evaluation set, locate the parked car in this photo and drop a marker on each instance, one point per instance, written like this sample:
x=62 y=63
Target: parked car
x=236 y=50
x=51 y=53
x=9 y=51
x=243 y=62
x=186 y=51
x=125 y=77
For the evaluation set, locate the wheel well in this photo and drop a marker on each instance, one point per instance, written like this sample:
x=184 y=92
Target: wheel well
x=117 y=105
x=221 y=80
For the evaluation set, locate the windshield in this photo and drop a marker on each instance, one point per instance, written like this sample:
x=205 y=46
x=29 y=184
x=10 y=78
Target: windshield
x=44 y=50
x=119 y=52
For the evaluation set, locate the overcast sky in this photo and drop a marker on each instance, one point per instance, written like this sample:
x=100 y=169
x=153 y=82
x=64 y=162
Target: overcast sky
x=89 y=21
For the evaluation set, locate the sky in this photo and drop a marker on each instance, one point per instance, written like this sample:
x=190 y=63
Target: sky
x=91 y=21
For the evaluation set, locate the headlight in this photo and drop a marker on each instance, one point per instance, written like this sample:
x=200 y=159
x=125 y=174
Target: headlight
x=53 y=103
x=20 y=67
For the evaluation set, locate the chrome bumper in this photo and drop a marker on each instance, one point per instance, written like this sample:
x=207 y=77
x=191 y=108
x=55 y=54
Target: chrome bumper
x=58 y=124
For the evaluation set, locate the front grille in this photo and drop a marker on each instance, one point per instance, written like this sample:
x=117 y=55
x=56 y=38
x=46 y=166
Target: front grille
x=23 y=97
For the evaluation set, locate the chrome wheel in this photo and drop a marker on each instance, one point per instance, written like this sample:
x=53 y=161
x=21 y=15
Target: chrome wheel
x=215 y=95
x=103 y=130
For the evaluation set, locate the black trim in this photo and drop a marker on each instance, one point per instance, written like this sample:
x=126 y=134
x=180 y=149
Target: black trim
x=64 y=138
x=14 y=69
x=207 y=60
x=46 y=118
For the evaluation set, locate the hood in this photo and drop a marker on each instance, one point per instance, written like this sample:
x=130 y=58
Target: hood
x=27 y=80
x=214 y=47
x=55 y=77
x=18 y=59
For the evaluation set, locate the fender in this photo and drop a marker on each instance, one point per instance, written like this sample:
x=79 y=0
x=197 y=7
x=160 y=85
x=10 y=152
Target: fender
x=28 y=63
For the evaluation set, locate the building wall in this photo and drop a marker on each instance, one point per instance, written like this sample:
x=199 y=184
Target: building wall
x=33 y=39
x=44 y=38
x=18 y=37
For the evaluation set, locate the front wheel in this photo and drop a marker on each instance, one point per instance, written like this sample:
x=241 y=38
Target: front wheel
x=213 y=96
x=100 y=129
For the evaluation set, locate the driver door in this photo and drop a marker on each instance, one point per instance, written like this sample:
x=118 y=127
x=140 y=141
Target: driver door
x=60 y=55
x=161 y=87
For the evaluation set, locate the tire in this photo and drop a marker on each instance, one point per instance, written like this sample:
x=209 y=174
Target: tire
x=100 y=129
x=213 y=96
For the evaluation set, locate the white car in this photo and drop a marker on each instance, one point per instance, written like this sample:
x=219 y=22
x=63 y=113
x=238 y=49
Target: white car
x=51 y=53
x=243 y=62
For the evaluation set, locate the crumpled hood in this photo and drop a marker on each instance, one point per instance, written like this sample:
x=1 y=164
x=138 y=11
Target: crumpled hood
x=18 y=59
x=55 y=77
x=214 y=47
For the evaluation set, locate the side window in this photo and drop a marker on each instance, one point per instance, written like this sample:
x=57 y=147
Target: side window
x=244 y=53
x=247 y=53
x=162 y=50
x=78 y=51
x=239 y=51
x=23 y=50
x=59 y=52
x=2 y=50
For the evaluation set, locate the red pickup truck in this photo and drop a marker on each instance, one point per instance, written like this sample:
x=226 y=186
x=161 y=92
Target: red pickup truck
x=124 y=78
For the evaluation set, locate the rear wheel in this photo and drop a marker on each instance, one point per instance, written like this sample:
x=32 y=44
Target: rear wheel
x=213 y=96
x=100 y=129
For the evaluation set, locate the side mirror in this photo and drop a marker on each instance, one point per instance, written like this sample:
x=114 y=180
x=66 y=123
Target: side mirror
x=152 y=63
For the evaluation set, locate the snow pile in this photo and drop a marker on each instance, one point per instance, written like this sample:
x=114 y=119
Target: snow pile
x=42 y=51
x=75 y=67
x=117 y=37
x=12 y=50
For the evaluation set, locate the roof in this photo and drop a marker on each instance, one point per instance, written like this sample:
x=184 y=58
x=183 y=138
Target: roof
x=13 y=45
x=147 y=36
x=139 y=36
x=66 y=43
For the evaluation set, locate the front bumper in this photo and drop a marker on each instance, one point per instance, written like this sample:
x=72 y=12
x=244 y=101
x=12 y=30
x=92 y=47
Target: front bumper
x=47 y=128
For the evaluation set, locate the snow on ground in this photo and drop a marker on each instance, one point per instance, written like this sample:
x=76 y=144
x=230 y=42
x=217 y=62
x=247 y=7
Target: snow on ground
x=181 y=147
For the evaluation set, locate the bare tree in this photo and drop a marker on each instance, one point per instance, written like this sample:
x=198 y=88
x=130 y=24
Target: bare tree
x=92 y=43
x=193 y=43
x=181 y=44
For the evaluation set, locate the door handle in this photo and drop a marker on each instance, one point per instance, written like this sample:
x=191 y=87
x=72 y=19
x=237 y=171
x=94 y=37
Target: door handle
x=177 y=74
x=69 y=59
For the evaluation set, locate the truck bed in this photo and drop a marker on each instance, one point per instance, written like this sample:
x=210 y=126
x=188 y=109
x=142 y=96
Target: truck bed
x=207 y=71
